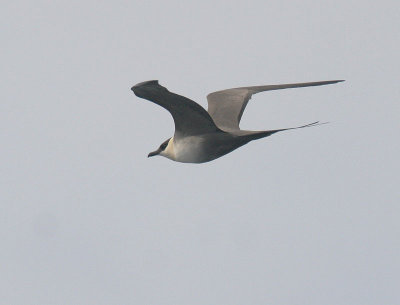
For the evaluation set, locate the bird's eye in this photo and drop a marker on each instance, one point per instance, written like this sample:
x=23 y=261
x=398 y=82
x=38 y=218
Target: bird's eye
x=164 y=145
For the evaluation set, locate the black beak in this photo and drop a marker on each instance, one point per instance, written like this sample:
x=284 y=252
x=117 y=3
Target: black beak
x=153 y=153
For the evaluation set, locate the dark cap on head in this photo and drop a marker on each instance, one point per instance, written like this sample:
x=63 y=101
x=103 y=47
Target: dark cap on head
x=162 y=147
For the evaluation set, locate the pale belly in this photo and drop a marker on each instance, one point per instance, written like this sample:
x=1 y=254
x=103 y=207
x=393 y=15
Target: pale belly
x=189 y=150
x=200 y=149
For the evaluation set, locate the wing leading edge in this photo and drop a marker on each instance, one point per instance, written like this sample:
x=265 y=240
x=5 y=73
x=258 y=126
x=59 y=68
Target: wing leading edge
x=189 y=117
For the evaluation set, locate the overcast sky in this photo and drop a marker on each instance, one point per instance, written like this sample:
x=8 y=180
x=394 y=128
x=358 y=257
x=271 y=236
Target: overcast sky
x=309 y=216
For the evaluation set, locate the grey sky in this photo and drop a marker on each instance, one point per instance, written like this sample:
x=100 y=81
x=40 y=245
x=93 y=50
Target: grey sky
x=302 y=217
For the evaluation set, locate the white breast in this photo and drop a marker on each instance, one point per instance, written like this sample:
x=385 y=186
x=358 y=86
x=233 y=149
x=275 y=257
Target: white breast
x=187 y=150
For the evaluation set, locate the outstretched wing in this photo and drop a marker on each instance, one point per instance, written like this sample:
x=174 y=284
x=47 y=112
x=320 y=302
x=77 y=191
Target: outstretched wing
x=226 y=107
x=189 y=117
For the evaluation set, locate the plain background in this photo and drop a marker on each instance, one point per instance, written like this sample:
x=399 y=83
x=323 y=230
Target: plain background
x=304 y=217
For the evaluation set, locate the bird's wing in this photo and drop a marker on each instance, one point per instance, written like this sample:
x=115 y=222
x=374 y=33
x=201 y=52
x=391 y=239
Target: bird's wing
x=189 y=117
x=226 y=107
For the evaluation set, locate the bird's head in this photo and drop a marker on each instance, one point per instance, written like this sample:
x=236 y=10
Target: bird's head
x=165 y=149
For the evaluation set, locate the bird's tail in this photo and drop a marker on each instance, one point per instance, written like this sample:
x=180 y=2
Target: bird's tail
x=267 y=133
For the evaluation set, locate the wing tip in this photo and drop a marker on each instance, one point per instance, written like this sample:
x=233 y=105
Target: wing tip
x=146 y=83
x=328 y=82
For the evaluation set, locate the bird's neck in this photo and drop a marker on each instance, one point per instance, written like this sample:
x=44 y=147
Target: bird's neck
x=169 y=151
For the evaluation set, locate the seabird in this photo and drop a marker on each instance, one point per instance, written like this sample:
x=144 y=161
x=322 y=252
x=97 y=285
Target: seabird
x=202 y=136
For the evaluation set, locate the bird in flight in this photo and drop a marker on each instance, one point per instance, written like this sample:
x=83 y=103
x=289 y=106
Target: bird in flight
x=202 y=136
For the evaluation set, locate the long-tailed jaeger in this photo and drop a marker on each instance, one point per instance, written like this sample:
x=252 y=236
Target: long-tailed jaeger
x=201 y=136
